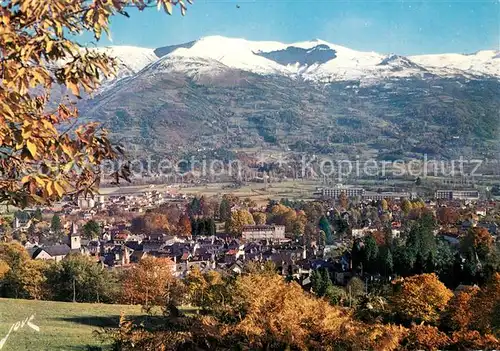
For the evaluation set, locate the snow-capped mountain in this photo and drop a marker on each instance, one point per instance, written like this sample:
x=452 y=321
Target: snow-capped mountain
x=234 y=53
x=316 y=60
x=220 y=92
x=485 y=62
x=132 y=58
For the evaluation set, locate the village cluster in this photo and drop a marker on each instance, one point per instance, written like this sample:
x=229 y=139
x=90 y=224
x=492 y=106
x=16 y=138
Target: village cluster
x=113 y=230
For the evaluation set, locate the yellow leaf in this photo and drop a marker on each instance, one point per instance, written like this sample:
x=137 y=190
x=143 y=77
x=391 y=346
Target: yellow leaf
x=31 y=148
x=50 y=44
x=59 y=189
x=49 y=188
x=49 y=126
x=40 y=181
x=59 y=30
x=168 y=7
x=25 y=179
x=5 y=108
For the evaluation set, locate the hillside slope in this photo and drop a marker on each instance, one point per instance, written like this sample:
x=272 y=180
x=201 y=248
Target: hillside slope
x=186 y=105
x=312 y=96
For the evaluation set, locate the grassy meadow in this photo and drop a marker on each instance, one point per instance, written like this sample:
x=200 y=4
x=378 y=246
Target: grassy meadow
x=63 y=325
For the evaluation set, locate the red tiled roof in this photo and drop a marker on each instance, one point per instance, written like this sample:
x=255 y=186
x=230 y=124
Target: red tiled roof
x=396 y=224
x=121 y=236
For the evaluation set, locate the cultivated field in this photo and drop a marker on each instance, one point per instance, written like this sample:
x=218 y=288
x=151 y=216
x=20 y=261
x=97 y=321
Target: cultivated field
x=63 y=325
x=259 y=192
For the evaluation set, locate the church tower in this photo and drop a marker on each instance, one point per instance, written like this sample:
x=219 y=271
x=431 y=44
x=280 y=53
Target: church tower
x=74 y=238
x=17 y=223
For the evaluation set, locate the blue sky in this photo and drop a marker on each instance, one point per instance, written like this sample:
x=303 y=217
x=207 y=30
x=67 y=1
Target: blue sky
x=403 y=27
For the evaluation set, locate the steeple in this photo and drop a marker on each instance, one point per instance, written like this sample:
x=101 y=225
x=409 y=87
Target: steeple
x=74 y=229
x=74 y=237
x=17 y=223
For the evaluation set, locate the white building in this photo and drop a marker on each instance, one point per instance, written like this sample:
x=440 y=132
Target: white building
x=457 y=194
x=335 y=192
x=86 y=202
x=376 y=196
x=263 y=232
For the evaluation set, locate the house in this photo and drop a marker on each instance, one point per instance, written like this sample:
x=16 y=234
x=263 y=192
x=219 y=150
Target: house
x=376 y=196
x=119 y=255
x=185 y=267
x=134 y=245
x=451 y=237
x=53 y=252
x=481 y=211
x=178 y=251
x=468 y=224
x=152 y=245
x=60 y=251
x=302 y=268
x=31 y=244
x=396 y=233
x=232 y=255
x=120 y=238
x=94 y=247
x=237 y=267
x=211 y=245
x=358 y=232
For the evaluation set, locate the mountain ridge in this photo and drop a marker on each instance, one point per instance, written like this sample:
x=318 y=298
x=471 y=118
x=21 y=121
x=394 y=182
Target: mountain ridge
x=221 y=93
x=329 y=63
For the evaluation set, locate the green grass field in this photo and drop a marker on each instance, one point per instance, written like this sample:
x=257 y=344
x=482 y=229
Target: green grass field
x=63 y=325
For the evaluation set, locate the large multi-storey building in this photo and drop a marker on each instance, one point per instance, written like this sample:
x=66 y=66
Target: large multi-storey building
x=457 y=194
x=362 y=194
x=335 y=192
x=376 y=196
x=263 y=232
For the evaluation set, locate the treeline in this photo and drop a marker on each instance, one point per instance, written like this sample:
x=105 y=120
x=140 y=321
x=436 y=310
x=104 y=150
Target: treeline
x=75 y=278
x=260 y=310
x=473 y=260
